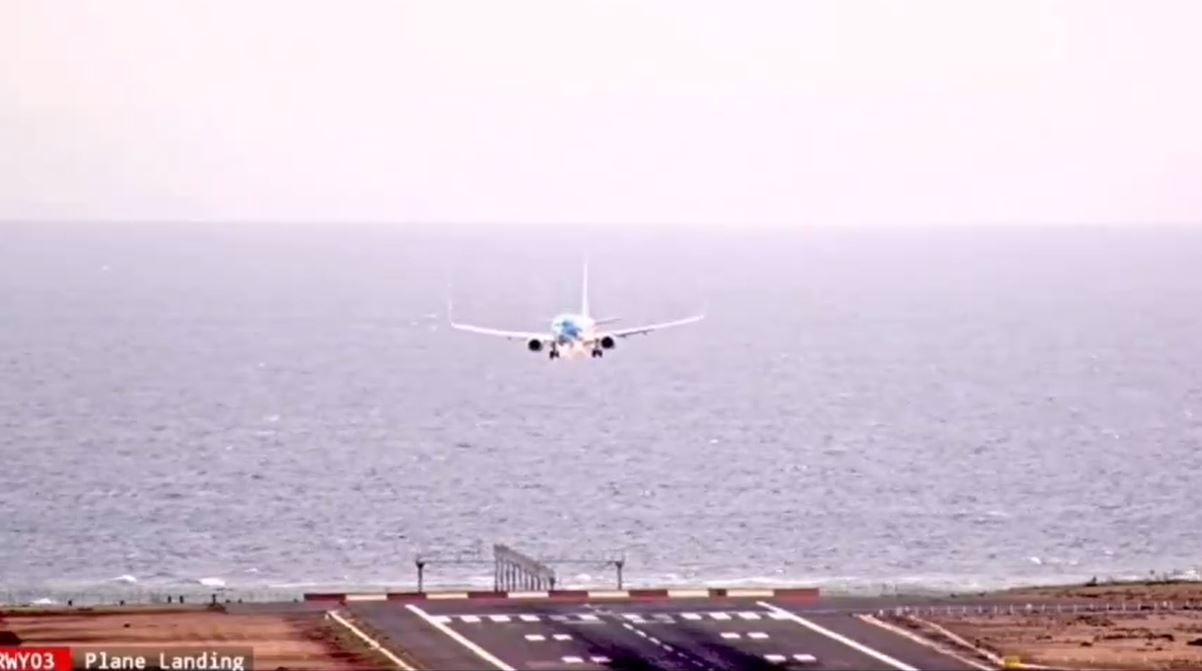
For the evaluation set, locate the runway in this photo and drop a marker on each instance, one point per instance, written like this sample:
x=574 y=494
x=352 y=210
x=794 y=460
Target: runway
x=704 y=634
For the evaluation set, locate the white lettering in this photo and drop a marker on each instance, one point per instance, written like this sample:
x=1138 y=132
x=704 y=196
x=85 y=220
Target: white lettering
x=25 y=660
x=103 y=661
x=205 y=661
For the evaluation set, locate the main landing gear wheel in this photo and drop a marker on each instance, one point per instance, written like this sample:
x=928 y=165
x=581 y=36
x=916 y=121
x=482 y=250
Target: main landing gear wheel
x=553 y=354
x=597 y=353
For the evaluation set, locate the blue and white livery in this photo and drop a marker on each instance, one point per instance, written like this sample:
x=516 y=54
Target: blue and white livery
x=574 y=333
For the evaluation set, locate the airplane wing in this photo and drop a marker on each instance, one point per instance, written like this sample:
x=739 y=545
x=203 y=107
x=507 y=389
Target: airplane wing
x=640 y=330
x=542 y=336
x=501 y=333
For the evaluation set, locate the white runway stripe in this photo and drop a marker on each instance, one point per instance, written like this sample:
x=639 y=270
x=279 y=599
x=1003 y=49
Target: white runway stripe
x=805 y=659
x=599 y=659
x=443 y=619
x=589 y=617
x=470 y=618
x=562 y=637
x=748 y=615
x=757 y=635
x=375 y=645
x=691 y=616
x=528 y=618
x=720 y=616
x=535 y=637
x=460 y=639
x=573 y=660
x=499 y=618
x=776 y=659
x=880 y=656
x=731 y=634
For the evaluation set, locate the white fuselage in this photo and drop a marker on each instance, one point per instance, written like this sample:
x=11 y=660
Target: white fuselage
x=572 y=330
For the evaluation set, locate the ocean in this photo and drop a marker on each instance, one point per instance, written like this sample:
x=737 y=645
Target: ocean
x=275 y=406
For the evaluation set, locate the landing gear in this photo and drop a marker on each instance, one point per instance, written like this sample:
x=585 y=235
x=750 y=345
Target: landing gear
x=553 y=353
x=598 y=353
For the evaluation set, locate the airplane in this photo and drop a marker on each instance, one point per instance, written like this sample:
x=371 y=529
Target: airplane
x=573 y=333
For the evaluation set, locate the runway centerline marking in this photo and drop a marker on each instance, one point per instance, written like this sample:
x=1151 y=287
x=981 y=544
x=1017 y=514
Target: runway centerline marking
x=666 y=647
x=459 y=638
x=835 y=636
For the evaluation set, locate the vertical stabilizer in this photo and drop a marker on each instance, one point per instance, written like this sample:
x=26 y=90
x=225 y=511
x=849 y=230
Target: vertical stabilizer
x=584 y=291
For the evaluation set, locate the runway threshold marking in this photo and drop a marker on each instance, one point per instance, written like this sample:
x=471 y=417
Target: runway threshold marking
x=835 y=636
x=459 y=638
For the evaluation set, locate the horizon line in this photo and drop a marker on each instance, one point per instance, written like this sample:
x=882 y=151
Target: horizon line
x=608 y=224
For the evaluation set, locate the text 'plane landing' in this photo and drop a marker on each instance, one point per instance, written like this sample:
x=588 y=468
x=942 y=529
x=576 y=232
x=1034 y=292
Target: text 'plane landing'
x=573 y=333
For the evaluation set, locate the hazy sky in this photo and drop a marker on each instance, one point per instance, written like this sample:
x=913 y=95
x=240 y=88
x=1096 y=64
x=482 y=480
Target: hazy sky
x=766 y=112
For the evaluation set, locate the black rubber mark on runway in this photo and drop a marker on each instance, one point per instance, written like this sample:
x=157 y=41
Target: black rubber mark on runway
x=702 y=652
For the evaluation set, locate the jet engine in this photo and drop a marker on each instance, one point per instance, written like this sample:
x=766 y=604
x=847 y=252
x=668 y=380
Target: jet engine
x=607 y=342
x=535 y=345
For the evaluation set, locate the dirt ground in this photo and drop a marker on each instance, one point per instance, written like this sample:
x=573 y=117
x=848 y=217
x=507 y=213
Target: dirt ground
x=293 y=641
x=1176 y=592
x=1132 y=639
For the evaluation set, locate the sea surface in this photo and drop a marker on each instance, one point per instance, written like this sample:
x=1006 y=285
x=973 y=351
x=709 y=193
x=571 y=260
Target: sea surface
x=279 y=406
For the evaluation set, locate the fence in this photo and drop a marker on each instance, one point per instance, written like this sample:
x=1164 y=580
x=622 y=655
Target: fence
x=143 y=597
x=1058 y=608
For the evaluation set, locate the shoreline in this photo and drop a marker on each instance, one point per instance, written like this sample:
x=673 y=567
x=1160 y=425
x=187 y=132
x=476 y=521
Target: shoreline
x=133 y=593
x=201 y=598
x=1078 y=626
